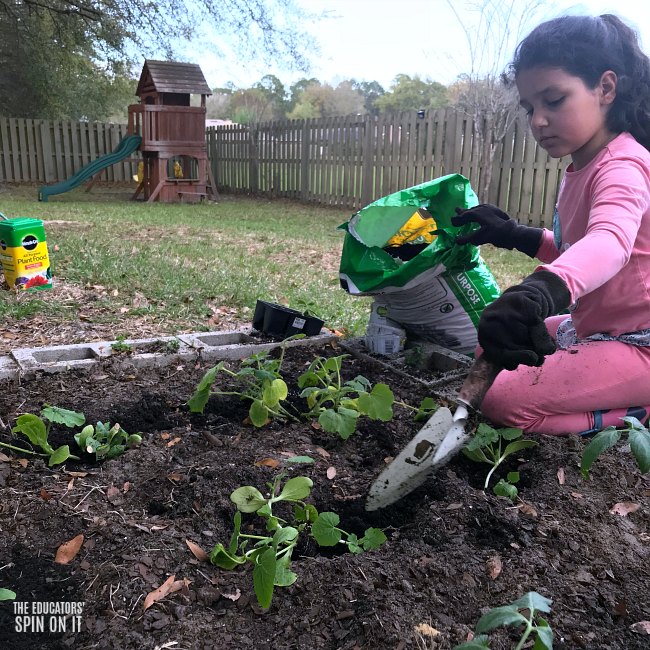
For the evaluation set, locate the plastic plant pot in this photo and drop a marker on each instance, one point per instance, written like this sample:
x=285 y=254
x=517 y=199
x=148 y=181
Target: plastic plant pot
x=281 y=322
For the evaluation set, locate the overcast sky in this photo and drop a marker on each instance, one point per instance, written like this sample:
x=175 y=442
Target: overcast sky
x=374 y=40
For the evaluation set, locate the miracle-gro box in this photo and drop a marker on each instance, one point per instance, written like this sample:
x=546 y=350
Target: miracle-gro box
x=23 y=252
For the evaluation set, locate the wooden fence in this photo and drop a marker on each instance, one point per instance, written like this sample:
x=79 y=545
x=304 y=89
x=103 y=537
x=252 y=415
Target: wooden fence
x=345 y=161
x=351 y=161
x=47 y=151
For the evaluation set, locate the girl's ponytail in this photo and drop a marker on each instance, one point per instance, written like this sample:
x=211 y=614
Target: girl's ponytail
x=631 y=109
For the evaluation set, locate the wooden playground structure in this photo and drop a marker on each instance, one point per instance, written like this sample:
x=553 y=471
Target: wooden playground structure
x=175 y=166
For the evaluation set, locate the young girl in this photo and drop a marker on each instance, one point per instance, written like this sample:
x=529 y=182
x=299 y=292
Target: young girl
x=585 y=86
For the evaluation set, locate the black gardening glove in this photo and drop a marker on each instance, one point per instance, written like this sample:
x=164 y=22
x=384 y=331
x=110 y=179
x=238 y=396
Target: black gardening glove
x=511 y=329
x=497 y=228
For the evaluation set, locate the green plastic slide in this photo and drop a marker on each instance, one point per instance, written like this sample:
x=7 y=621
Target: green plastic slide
x=125 y=148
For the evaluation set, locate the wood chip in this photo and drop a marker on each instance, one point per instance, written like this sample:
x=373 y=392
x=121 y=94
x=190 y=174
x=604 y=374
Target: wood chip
x=494 y=566
x=68 y=550
x=426 y=630
x=624 y=508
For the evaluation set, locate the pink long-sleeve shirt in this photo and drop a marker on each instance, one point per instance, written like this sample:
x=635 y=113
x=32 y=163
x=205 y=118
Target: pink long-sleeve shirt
x=603 y=236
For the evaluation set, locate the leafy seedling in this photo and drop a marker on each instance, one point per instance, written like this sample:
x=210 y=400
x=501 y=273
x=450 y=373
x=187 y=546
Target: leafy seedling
x=120 y=346
x=262 y=385
x=493 y=446
x=506 y=487
x=37 y=429
x=523 y=611
x=173 y=345
x=271 y=553
x=338 y=404
x=106 y=441
x=428 y=406
x=638 y=437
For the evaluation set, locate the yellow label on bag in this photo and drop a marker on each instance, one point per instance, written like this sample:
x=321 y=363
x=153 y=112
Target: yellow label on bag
x=417 y=230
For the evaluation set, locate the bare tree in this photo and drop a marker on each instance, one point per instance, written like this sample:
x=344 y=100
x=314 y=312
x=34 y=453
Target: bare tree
x=481 y=93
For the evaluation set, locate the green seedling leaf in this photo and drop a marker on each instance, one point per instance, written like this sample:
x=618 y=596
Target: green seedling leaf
x=306 y=514
x=59 y=456
x=258 y=413
x=310 y=393
x=248 y=499
x=516 y=446
x=201 y=395
x=275 y=392
x=353 y=544
x=533 y=601
x=640 y=444
x=295 y=489
x=284 y=536
x=272 y=523
x=93 y=445
x=307 y=460
x=485 y=435
x=284 y=576
x=63 y=416
x=308 y=379
x=324 y=529
x=476 y=455
x=7 y=594
x=225 y=559
x=359 y=384
x=427 y=408
x=634 y=423
x=333 y=364
x=372 y=539
x=544 y=640
x=342 y=421
x=378 y=404
x=600 y=442
x=506 y=615
x=513 y=477
x=510 y=433
x=102 y=451
x=114 y=451
x=82 y=437
x=505 y=489
x=264 y=577
x=134 y=440
x=264 y=375
x=34 y=429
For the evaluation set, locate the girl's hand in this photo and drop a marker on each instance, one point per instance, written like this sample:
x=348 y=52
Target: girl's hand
x=497 y=228
x=511 y=330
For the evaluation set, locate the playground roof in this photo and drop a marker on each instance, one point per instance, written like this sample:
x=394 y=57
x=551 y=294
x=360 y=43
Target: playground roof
x=173 y=77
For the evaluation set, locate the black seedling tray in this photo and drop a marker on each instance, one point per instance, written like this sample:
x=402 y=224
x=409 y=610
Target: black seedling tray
x=281 y=322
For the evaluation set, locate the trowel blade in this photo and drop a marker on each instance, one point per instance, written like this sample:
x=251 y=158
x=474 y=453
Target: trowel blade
x=412 y=466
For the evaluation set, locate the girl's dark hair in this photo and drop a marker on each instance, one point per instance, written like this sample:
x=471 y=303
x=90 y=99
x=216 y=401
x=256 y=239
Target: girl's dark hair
x=587 y=46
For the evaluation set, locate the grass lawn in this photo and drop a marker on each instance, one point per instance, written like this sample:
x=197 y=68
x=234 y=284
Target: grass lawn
x=136 y=269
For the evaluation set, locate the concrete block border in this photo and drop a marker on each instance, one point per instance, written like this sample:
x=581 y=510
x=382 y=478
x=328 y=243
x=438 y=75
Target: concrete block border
x=146 y=353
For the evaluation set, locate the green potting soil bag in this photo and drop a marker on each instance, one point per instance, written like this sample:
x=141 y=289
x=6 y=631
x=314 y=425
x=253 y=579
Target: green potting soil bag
x=435 y=289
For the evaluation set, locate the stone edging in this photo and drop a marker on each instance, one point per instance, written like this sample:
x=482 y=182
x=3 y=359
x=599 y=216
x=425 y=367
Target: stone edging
x=207 y=346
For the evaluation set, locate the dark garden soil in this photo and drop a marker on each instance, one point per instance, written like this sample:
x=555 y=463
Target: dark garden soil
x=453 y=550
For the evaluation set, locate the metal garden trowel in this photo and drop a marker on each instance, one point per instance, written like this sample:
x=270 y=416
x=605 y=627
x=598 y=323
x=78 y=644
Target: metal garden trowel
x=436 y=442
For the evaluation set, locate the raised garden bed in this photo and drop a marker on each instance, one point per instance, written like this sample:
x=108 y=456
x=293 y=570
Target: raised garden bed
x=453 y=550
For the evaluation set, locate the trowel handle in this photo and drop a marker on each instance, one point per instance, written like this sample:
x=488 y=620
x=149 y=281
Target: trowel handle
x=478 y=381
